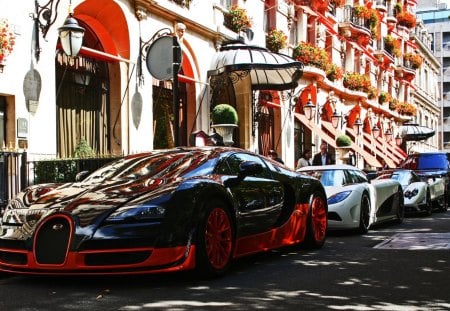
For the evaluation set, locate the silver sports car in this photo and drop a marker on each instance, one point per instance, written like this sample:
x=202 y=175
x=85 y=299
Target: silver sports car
x=354 y=202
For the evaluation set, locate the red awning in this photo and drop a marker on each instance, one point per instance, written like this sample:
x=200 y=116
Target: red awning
x=382 y=152
x=370 y=159
x=399 y=155
x=313 y=127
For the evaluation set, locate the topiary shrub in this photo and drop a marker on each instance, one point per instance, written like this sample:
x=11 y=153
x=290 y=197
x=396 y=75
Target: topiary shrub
x=343 y=141
x=224 y=114
x=83 y=150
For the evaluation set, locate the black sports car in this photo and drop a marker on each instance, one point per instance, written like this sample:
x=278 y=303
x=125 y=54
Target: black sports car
x=167 y=210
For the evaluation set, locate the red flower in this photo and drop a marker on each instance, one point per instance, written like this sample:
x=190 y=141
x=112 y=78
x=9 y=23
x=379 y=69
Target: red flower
x=357 y=82
x=406 y=19
x=276 y=40
x=7 y=39
x=312 y=55
x=237 y=19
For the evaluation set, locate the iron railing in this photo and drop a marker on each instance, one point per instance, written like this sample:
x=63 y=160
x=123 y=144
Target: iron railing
x=16 y=172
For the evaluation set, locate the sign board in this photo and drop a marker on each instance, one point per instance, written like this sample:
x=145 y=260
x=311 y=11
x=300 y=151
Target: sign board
x=22 y=128
x=160 y=57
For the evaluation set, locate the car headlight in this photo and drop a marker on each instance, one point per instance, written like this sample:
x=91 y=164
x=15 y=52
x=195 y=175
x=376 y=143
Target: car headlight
x=411 y=193
x=137 y=213
x=16 y=217
x=338 y=197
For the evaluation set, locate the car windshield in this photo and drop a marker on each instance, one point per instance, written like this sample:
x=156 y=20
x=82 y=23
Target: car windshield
x=157 y=165
x=329 y=177
x=402 y=177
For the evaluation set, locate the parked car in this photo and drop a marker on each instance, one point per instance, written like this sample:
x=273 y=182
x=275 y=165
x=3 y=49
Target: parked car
x=353 y=201
x=419 y=195
x=163 y=211
x=431 y=165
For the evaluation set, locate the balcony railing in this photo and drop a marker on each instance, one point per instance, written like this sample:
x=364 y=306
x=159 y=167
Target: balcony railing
x=351 y=17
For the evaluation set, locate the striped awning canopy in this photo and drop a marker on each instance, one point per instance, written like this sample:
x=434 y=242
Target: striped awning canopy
x=267 y=70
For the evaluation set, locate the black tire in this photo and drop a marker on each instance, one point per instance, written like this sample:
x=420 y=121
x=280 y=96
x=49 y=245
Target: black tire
x=364 y=214
x=317 y=223
x=443 y=207
x=401 y=206
x=428 y=204
x=215 y=240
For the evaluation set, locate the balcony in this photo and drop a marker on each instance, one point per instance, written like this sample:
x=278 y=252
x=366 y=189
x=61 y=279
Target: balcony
x=355 y=27
x=383 y=55
x=405 y=71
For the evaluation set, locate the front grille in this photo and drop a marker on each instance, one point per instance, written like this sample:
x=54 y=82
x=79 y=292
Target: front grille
x=52 y=241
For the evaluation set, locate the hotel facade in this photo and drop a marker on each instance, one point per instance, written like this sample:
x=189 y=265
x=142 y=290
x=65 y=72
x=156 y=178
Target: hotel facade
x=299 y=73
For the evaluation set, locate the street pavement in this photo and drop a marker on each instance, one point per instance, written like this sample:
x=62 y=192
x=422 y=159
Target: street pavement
x=403 y=267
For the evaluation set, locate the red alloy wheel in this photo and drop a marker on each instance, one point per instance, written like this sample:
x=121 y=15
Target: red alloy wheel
x=319 y=218
x=218 y=238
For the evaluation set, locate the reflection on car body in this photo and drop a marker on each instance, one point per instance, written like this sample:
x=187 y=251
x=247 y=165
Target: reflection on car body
x=163 y=211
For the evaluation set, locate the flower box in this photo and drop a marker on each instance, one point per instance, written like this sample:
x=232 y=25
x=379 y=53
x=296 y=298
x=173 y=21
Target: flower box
x=7 y=40
x=312 y=55
x=276 y=40
x=237 y=19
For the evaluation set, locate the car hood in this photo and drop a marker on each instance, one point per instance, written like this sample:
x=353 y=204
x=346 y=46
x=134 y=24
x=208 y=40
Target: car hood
x=93 y=198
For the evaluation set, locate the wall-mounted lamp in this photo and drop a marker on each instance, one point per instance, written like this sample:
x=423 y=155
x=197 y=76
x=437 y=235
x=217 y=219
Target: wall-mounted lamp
x=71 y=34
x=388 y=135
x=309 y=109
x=357 y=126
x=398 y=140
x=336 y=117
x=376 y=131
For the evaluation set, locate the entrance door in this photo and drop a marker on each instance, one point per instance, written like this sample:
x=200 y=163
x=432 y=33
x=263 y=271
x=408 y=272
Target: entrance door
x=163 y=117
x=82 y=102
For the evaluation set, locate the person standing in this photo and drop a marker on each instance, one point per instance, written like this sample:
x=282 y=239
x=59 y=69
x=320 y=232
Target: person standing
x=323 y=157
x=274 y=155
x=305 y=160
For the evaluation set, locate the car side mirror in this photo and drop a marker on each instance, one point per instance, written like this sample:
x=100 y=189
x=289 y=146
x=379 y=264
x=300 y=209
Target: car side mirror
x=246 y=168
x=249 y=168
x=81 y=175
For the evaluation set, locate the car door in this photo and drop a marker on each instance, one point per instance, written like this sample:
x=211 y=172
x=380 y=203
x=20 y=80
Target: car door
x=259 y=197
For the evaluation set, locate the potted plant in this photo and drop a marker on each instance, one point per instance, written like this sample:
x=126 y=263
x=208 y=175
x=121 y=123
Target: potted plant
x=311 y=55
x=384 y=97
x=343 y=141
x=415 y=60
x=334 y=72
x=406 y=109
x=406 y=19
x=357 y=82
x=237 y=19
x=225 y=119
x=392 y=46
x=276 y=40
